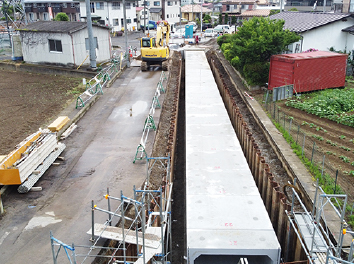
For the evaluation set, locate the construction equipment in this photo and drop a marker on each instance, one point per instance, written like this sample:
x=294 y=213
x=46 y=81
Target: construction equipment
x=155 y=50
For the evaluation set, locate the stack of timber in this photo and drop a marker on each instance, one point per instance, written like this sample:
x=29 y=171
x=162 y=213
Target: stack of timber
x=31 y=158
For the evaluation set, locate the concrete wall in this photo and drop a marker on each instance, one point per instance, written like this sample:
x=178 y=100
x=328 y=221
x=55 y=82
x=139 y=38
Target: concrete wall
x=103 y=52
x=35 y=48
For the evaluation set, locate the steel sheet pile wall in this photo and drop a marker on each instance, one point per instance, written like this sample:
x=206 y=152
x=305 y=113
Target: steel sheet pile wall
x=225 y=215
x=274 y=199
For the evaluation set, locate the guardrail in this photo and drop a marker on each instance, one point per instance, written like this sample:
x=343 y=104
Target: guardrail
x=149 y=121
x=95 y=85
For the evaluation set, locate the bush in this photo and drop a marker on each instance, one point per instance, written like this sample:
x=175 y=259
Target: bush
x=256 y=73
x=61 y=17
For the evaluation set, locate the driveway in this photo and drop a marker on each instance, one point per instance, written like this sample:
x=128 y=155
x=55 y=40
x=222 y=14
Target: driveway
x=99 y=154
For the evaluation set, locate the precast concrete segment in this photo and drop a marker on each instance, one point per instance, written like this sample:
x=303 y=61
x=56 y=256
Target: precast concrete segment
x=225 y=215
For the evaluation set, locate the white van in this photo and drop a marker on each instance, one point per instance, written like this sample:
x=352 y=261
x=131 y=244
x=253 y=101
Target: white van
x=222 y=29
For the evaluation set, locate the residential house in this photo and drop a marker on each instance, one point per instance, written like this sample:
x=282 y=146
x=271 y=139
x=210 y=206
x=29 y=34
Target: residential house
x=141 y=15
x=243 y=9
x=192 y=12
x=47 y=9
x=110 y=13
x=63 y=43
x=319 y=30
x=163 y=10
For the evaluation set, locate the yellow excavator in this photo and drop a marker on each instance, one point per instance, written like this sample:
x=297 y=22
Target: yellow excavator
x=155 y=50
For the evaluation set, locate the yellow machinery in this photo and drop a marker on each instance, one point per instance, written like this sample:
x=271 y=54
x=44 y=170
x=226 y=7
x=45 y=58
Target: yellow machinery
x=155 y=50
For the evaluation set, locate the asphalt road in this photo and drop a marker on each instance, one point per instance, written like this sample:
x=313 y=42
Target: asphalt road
x=98 y=155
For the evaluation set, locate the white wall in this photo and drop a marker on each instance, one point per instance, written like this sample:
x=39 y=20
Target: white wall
x=108 y=14
x=35 y=47
x=103 y=52
x=172 y=11
x=327 y=36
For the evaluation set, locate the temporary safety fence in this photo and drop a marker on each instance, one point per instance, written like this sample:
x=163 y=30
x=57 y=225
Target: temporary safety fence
x=143 y=229
x=95 y=85
x=315 y=238
x=149 y=121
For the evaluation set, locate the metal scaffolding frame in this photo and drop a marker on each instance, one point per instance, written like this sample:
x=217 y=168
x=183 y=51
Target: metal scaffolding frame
x=143 y=221
x=312 y=234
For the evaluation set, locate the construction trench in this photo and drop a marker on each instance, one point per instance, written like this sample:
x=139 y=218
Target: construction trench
x=267 y=164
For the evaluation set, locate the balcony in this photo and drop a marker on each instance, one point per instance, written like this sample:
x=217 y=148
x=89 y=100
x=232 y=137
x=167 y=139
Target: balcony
x=57 y=9
x=28 y=9
x=42 y=9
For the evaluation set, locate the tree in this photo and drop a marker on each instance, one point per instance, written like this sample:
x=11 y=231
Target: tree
x=273 y=12
x=233 y=20
x=61 y=17
x=220 y=18
x=226 y=19
x=206 y=18
x=249 y=50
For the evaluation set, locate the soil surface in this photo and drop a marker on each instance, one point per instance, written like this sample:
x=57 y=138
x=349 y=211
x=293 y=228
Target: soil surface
x=335 y=141
x=29 y=101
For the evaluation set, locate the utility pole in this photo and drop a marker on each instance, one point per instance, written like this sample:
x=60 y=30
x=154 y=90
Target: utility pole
x=92 y=47
x=7 y=21
x=125 y=33
x=144 y=17
x=201 y=17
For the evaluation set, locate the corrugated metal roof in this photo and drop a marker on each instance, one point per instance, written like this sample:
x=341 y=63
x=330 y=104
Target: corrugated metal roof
x=302 y=21
x=308 y=55
x=57 y=26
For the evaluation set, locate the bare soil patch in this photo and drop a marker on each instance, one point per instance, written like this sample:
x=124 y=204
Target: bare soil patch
x=29 y=101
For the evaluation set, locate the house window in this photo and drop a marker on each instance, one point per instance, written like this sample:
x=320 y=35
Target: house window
x=31 y=16
x=115 y=22
x=147 y=3
x=135 y=20
x=175 y=2
x=65 y=5
x=122 y=21
x=129 y=20
x=168 y=16
x=156 y=3
x=55 y=45
x=134 y=5
x=115 y=5
x=127 y=5
x=169 y=3
x=87 y=45
x=99 y=5
x=45 y=16
x=92 y=6
x=72 y=5
x=34 y=5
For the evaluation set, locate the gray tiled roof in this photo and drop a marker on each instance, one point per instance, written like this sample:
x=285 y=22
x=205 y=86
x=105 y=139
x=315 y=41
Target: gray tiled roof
x=56 y=26
x=349 y=29
x=302 y=21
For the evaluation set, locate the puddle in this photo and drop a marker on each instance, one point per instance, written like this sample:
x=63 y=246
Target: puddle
x=138 y=108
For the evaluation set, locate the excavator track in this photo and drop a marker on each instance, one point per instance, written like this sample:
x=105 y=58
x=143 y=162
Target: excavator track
x=144 y=66
x=165 y=65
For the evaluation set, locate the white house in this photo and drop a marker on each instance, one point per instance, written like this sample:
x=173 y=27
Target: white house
x=110 y=13
x=318 y=30
x=163 y=10
x=63 y=43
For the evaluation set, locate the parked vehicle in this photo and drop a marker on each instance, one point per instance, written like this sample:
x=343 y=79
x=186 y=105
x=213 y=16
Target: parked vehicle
x=209 y=32
x=222 y=29
x=149 y=25
x=195 y=26
x=206 y=25
x=180 y=33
